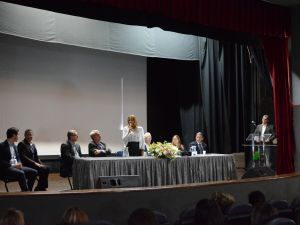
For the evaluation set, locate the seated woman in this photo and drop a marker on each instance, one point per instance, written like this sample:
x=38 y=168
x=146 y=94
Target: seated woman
x=96 y=147
x=176 y=141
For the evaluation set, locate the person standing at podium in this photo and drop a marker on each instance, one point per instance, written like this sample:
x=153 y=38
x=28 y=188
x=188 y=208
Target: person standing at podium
x=266 y=128
x=133 y=137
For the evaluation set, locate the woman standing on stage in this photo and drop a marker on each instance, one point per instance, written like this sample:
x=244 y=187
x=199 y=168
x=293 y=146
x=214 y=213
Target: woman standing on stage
x=133 y=137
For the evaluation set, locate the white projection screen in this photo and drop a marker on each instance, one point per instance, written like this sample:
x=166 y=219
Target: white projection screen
x=51 y=88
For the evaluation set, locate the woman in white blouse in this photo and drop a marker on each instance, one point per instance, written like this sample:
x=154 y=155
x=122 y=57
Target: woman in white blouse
x=133 y=137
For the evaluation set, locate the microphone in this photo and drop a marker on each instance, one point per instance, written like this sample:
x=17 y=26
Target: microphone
x=253 y=123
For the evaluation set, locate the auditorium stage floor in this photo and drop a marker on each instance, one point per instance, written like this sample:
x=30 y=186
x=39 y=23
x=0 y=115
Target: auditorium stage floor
x=56 y=183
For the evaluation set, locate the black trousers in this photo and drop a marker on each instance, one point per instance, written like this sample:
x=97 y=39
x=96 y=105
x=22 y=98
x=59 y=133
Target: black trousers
x=26 y=176
x=134 y=149
x=43 y=173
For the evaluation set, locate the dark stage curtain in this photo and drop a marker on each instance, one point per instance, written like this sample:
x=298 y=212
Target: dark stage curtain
x=219 y=96
x=233 y=94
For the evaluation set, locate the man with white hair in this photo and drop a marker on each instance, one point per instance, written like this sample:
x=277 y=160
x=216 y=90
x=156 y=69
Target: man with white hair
x=148 y=139
x=96 y=147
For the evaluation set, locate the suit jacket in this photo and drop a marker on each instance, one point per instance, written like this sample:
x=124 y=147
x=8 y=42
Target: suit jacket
x=5 y=155
x=67 y=158
x=93 y=147
x=28 y=154
x=269 y=130
x=199 y=150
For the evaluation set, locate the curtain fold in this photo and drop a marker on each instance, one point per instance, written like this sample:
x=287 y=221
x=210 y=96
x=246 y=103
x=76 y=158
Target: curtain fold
x=276 y=50
x=234 y=93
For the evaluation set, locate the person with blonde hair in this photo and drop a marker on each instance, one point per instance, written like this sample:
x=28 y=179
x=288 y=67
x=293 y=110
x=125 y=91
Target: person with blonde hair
x=96 y=147
x=133 y=137
x=74 y=216
x=12 y=217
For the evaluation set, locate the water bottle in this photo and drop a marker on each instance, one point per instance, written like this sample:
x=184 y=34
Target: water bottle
x=125 y=152
x=193 y=150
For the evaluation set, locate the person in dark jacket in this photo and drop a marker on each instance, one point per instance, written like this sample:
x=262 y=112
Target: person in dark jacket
x=97 y=148
x=29 y=158
x=10 y=165
x=69 y=151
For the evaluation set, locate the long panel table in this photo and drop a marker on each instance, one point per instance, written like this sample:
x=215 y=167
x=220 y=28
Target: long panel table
x=155 y=172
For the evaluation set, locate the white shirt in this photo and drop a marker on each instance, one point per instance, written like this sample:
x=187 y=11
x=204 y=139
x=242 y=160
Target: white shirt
x=263 y=129
x=12 y=151
x=136 y=135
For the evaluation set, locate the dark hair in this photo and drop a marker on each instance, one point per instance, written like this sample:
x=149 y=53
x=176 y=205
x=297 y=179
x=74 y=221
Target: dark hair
x=142 y=216
x=74 y=216
x=12 y=217
x=263 y=214
x=208 y=213
x=27 y=131
x=256 y=198
x=11 y=132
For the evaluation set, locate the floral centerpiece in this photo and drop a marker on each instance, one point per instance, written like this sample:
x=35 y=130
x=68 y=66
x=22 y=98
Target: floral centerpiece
x=163 y=150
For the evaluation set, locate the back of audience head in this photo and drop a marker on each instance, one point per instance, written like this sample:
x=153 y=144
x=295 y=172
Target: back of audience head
x=142 y=216
x=262 y=214
x=74 y=216
x=256 y=198
x=208 y=212
x=12 y=217
x=223 y=199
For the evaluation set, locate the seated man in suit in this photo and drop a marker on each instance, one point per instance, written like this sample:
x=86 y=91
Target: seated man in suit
x=10 y=165
x=199 y=144
x=266 y=128
x=30 y=158
x=69 y=151
x=96 y=147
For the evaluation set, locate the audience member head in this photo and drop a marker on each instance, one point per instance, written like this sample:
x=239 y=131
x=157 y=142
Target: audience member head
x=28 y=134
x=265 y=119
x=148 y=138
x=176 y=141
x=256 y=198
x=12 y=134
x=142 y=216
x=74 y=216
x=132 y=121
x=72 y=135
x=199 y=137
x=208 y=213
x=12 y=217
x=95 y=136
x=263 y=214
x=223 y=199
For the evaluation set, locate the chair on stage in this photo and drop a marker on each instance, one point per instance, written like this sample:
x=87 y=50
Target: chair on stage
x=64 y=175
x=7 y=180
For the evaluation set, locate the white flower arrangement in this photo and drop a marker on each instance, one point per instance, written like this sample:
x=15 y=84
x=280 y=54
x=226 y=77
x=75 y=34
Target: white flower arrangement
x=164 y=150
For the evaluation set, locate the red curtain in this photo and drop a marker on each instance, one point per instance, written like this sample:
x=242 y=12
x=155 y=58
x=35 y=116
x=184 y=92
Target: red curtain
x=276 y=50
